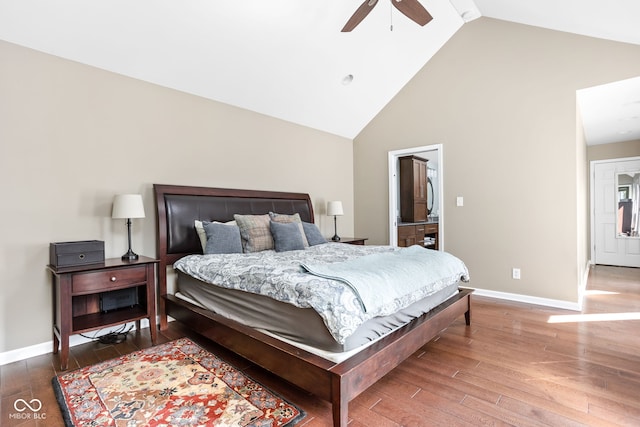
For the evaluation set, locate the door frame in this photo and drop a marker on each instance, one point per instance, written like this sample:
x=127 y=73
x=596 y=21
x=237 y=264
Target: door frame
x=592 y=207
x=394 y=188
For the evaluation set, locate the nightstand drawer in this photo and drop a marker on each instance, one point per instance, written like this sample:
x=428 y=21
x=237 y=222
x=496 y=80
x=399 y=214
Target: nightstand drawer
x=107 y=280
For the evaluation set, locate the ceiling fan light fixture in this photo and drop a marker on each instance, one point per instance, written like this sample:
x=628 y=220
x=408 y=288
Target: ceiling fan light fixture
x=346 y=80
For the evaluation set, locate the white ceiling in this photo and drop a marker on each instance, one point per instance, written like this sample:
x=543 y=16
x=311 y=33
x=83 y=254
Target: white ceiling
x=611 y=112
x=287 y=58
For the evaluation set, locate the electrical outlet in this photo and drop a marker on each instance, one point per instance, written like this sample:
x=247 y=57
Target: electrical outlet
x=515 y=273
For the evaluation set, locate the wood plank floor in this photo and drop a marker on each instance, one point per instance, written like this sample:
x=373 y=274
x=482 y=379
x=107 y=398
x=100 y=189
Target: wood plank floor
x=517 y=364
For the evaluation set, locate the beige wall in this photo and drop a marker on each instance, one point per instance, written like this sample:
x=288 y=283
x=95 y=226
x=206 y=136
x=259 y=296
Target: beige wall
x=583 y=227
x=72 y=136
x=617 y=150
x=501 y=98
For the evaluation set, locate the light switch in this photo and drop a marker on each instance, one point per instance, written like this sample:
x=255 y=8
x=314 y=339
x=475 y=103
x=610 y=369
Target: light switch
x=459 y=201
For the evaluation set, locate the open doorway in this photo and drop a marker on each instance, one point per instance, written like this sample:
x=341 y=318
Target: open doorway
x=433 y=155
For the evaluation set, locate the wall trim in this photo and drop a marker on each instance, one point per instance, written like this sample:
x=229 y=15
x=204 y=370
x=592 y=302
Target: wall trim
x=528 y=299
x=46 y=347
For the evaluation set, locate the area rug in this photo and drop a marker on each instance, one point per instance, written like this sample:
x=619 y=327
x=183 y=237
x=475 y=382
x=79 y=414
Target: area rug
x=173 y=384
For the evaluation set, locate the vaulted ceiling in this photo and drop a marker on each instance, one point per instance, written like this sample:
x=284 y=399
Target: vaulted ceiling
x=288 y=58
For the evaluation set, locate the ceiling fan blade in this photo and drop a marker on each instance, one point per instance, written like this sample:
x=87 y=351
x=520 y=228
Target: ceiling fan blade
x=359 y=15
x=413 y=10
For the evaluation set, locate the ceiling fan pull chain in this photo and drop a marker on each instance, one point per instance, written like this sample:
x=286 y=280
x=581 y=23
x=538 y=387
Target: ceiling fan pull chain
x=390 y=16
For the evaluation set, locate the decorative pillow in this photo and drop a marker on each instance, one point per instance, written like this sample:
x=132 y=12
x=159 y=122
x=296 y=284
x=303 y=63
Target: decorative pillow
x=201 y=233
x=222 y=238
x=314 y=237
x=286 y=236
x=282 y=218
x=255 y=232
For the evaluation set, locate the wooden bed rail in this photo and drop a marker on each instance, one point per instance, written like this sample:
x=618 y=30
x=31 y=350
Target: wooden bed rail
x=337 y=383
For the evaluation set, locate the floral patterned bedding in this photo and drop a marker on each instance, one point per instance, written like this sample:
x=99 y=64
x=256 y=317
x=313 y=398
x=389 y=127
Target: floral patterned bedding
x=279 y=275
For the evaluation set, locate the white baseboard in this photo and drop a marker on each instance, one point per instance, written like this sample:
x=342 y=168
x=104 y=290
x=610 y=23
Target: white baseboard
x=567 y=305
x=47 y=347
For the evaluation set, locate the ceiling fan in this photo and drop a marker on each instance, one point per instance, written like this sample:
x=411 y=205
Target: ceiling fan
x=410 y=8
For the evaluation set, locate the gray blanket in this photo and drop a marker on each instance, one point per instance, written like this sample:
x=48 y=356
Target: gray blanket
x=379 y=278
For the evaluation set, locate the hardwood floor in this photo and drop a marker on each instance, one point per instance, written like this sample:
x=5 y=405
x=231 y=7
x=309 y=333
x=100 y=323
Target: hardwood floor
x=517 y=364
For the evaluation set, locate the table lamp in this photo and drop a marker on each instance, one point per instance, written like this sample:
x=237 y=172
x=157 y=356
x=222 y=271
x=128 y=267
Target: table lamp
x=128 y=206
x=335 y=209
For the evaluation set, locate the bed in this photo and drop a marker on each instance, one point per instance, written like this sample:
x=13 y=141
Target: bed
x=335 y=380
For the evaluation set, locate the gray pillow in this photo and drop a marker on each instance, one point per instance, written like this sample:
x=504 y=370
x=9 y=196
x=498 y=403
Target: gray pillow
x=286 y=236
x=222 y=238
x=290 y=218
x=314 y=237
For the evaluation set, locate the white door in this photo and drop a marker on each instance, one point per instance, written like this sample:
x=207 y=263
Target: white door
x=612 y=246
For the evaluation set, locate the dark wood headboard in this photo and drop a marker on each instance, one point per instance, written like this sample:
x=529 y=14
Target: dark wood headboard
x=177 y=207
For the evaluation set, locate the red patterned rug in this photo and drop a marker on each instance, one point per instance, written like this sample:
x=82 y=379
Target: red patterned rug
x=173 y=384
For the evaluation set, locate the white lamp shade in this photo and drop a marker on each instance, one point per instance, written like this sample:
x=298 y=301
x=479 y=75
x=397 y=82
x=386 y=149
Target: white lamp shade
x=127 y=206
x=334 y=208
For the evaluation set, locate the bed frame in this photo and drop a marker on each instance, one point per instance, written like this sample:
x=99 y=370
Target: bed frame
x=337 y=383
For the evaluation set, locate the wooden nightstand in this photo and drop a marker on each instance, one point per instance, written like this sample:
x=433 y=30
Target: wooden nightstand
x=350 y=240
x=77 y=293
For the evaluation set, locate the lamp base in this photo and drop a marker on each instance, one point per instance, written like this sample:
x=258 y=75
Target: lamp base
x=335 y=237
x=130 y=256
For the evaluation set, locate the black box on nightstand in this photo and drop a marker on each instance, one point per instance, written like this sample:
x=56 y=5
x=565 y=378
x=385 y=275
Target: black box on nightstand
x=67 y=254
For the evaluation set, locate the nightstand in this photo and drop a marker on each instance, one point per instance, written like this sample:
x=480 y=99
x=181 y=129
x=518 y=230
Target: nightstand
x=81 y=294
x=350 y=240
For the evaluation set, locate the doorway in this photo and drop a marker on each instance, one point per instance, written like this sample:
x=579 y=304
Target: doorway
x=615 y=207
x=434 y=168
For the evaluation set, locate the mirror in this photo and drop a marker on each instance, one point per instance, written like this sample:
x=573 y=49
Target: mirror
x=628 y=200
x=432 y=192
x=430 y=197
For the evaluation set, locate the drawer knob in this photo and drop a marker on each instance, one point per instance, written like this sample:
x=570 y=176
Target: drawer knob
x=113 y=278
